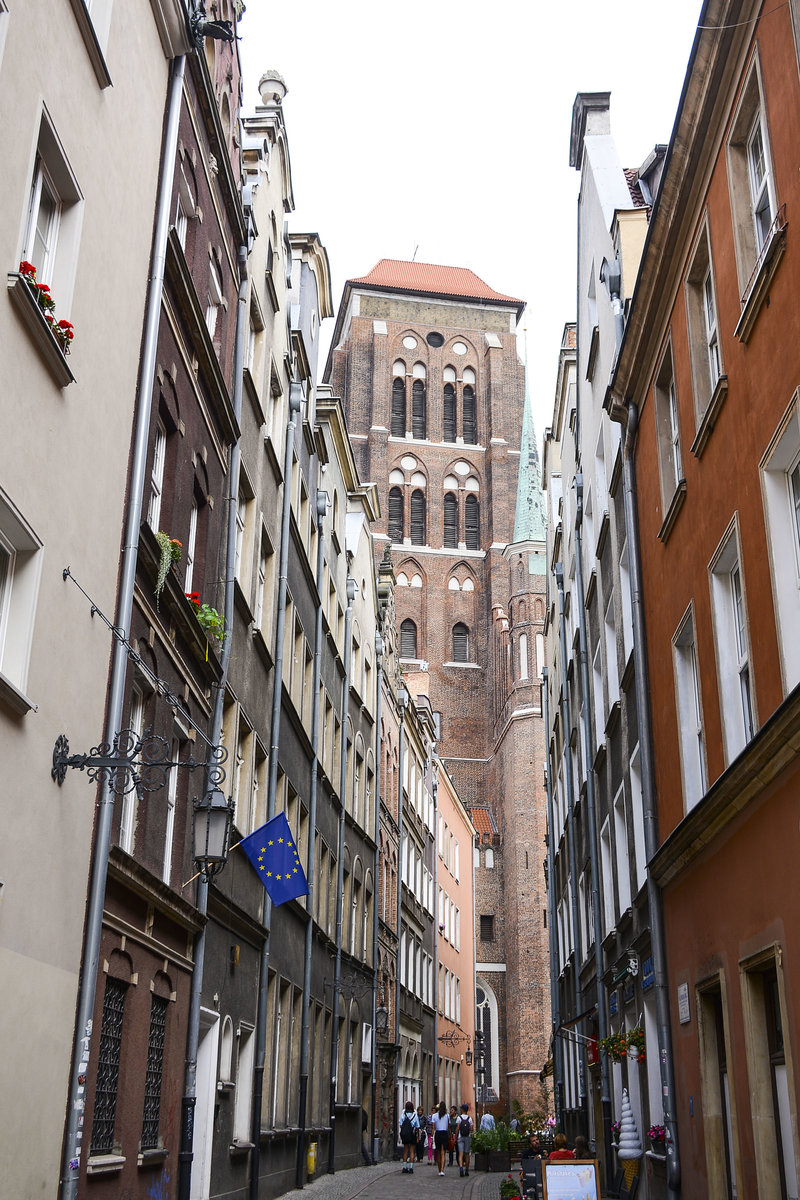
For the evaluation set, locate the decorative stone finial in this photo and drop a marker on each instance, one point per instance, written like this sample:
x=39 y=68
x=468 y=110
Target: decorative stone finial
x=272 y=87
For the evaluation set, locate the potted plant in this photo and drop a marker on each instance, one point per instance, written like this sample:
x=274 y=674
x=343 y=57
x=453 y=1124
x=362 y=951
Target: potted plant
x=63 y=331
x=499 y=1153
x=636 y=1043
x=509 y=1188
x=615 y=1046
x=211 y=621
x=479 y=1148
x=658 y=1137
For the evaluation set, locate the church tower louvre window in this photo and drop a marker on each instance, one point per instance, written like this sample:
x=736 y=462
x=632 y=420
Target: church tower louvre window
x=418 y=517
x=399 y=408
x=472 y=534
x=419 y=423
x=449 y=413
x=470 y=424
x=451 y=520
x=395 y=524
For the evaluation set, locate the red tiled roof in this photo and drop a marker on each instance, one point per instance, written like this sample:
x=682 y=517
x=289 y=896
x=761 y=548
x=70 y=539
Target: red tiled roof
x=482 y=820
x=632 y=176
x=427 y=277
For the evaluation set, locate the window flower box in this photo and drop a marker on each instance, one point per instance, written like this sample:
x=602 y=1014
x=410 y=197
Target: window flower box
x=34 y=318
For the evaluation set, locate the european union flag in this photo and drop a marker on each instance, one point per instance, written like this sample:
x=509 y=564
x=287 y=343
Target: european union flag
x=273 y=853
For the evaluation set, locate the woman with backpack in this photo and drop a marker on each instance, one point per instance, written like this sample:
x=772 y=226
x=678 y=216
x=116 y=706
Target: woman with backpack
x=441 y=1134
x=409 y=1124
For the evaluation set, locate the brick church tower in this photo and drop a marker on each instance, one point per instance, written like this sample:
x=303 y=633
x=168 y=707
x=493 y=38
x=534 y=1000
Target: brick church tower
x=425 y=360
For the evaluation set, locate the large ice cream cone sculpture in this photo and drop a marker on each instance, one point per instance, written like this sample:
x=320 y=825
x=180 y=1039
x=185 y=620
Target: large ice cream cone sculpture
x=630 y=1146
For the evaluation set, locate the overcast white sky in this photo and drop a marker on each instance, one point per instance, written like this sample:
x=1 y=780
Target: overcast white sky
x=444 y=128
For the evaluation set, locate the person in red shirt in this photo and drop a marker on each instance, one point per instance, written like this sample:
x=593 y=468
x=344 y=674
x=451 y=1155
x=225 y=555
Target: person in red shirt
x=560 y=1149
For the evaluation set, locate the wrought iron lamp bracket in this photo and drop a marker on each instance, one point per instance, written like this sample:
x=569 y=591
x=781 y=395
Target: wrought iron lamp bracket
x=132 y=762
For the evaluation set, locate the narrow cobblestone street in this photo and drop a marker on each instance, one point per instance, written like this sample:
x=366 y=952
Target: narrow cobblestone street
x=387 y=1182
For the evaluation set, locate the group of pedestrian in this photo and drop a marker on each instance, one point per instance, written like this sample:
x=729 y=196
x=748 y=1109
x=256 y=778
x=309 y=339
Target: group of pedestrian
x=443 y=1133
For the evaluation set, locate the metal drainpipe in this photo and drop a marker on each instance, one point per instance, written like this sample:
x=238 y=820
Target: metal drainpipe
x=559 y=574
x=260 y=1033
x=337 y=975
x=649 y=803
x=402 y=702
x=555 y=1003
x=189 y=1101
x=90 y=960
x=376 y=876
x=322 y=508
x=591 y=814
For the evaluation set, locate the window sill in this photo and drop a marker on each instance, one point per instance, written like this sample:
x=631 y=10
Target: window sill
x=44 y=341
x=468 y=665
x=756 y=291
x=152 y=1158
x=105 y=1164
x=89 y=36
x=675 y=506
x=238 y=1148
x=709 y=418
x=14 y=698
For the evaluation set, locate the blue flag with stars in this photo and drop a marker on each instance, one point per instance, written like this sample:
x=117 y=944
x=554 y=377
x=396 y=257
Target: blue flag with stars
x=273 y=853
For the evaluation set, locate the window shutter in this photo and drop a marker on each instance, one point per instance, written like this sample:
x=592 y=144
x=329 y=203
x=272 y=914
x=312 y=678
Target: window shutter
x=472 y=523
x=460 y=643
x=399 y=408
x=419 y=424
x=470 y=431
x=395 y=528
x=408 y=639
x=450 y=520
x=449 y=432
x=418 y=518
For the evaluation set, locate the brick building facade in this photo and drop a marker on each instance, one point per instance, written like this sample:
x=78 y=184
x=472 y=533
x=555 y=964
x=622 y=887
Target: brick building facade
x=425 y=359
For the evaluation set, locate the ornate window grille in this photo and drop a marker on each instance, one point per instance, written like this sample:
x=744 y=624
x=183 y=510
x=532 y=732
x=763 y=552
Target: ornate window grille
x=105 y=1104
x=154 y=1073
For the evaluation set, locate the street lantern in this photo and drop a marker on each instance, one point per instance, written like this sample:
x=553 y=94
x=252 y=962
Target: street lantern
x=213 y=817
x=381 y=1018
x=468 y=1058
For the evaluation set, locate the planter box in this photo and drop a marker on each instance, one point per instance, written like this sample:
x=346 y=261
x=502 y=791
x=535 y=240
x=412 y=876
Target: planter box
x=480 y=1161
x=499 y=1160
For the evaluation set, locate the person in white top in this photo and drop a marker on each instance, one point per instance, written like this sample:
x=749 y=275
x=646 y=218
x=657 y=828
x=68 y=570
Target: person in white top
x=441 y=1134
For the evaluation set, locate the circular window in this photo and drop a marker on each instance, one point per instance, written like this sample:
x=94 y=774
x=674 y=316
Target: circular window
x=410 y=342
x=459 y=348
x=434 y=339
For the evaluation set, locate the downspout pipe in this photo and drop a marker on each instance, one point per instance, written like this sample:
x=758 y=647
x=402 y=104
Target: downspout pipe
x=631 y=418
x=402 y=704
x=337 y=973
x=73 y=1129
x=189 y=1101
x=322 y=508
x=571 y=849
x=379 y=648
x=555 y=1002
x=260 y=1034
x=591 y=819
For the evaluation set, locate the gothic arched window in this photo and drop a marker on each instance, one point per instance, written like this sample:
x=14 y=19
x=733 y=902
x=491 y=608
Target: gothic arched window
x=470 y=423
x=472 y=532
x=419 y=423
x=449 y=413
x=418 y=518
x=398 y=424
x=408 y=639
x=451 y=520
x=460 y=642
x=395 y=525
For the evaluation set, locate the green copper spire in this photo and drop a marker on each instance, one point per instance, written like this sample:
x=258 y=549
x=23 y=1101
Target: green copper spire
x=529 y=523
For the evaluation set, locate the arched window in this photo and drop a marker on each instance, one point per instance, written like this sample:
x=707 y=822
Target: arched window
x=399 y=408
x=451 y=520
x=472 y=523
x=408 y=639
x=486 y=1023
x=395 y=528
x=418 y=518
x=460 y=642
x=470 y=426
x=449 y=414
x=419 y=423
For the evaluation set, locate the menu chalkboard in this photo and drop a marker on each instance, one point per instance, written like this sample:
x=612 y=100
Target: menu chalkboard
x=575 y=1179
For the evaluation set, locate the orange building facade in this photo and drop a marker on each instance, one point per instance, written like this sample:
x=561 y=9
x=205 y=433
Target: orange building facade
x=707 y=383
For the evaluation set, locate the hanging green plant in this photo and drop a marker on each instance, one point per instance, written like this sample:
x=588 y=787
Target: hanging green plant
x=170 y=549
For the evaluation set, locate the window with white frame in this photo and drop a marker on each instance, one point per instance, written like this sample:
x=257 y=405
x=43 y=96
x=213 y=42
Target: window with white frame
x=20 y=574
x=668 y=429
x=157 y=478
x=637 y=813
x=623 y=860
x=691 y=735
x=172 y=794
x=606 y=863
x=701 y=315
x=52 y=225
x=191 y=547
x=214 y=297
x=732 y=645
x=244 y=1084
x=780 y=484
x=127 y=827
x=612 y=672
x=752 y=185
